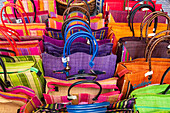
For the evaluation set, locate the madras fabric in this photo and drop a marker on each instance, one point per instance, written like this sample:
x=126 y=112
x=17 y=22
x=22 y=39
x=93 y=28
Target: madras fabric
x=83 y=98
x=34 y=29
x=94 y=24
x=98 y=34
x=41 y=17
x=27 y=4
x=57 y=107
x=23 y=48
x=49 y=5
x=31 y=105
x=125 y=55
x=19 y=72
x=123 y=104
x=151 y=100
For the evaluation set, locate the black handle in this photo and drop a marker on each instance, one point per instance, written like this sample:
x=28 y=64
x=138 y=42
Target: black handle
x=34 y=10
x=8 y=51
x=163 y=77
x=82 y=76
x=7 y=83
x=166 y=90
x=87 y=81
x=134 y=12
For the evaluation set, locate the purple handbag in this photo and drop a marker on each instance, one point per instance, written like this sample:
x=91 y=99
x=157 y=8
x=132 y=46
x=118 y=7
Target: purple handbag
x=98 y=34
x=54 y=50
x=60 y=43
x=79 y=61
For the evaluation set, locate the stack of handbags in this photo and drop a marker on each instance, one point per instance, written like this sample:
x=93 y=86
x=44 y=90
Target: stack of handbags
x=79 y=57
x=146 y=71
x=119 y=28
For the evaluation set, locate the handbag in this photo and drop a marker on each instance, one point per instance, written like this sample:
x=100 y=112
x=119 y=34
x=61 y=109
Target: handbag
x=56 y=91
x=157 y=95
x=28 y=72
x=84 y=107
x=142 y=72
x=129 y=47
x=80 y=66
x=31 y=29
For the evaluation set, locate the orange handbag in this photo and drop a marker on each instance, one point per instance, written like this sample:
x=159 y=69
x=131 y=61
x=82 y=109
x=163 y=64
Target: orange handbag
x=143 y=71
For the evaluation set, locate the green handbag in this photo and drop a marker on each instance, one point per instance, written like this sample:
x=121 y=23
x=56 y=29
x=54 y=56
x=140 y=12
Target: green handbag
x=25 y=71
x=153 y=99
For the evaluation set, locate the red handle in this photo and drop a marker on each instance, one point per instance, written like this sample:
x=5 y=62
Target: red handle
x=17 y=7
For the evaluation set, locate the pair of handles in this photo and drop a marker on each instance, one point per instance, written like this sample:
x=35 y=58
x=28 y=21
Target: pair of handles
x=133 y=12
x=32 y=1
x=19 y=8
x=152 y=46
x=8 y=33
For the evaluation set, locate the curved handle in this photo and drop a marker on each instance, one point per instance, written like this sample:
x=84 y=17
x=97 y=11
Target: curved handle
x=146 y=19
x=151 y=40
x=141 y=2
x=133 y=14
x=163 y=38
x=85 y=1
x=163 y=77
x=79 y=9
x=23 y=9
x=14 y=48
x=152 y=18
x=78 y=35
x=7 y=83
x=17 y=7
x=82 y=76
x=65 y=33
x=88 y=81
x=71 y=19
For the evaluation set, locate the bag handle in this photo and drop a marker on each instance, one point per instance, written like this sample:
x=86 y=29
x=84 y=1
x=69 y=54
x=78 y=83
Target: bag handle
x=17 y=7
x=6 y=56
x=85 y=1
x=152 y=18
x=32 y=1
x=163 y=38
x=86 y=35
x=146 y=19
x=82 y=82
x=163 y=77
x=151 y=40
x=71 y=19
x=65 y=33
x=7 y=83
x=133 y=14
x=74 y=9
x=8 y=40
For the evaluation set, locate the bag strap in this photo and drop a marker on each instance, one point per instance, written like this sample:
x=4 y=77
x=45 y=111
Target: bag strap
x=145 y=20
x=82 y=82
x=71 y=19
x=163 y=77
x=152 y=18
x=74 y=9
x=163 y=38
x=65 y=32
x=133 y=14
x=32 y=1
x=7 y=83
x=85 y=1
x=17 y=7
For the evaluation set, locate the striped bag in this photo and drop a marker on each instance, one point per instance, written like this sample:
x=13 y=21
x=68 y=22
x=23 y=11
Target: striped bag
x=25 y=71
x=14 y=98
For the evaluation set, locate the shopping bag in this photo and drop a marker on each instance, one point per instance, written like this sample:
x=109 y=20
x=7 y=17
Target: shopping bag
x=25 y=71
x=157 y=95
x=128 y=48
x=31 y=29
x=143 y=71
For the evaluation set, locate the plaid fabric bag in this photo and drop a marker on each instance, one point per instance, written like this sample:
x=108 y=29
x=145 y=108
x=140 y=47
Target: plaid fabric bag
x=26 y=71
